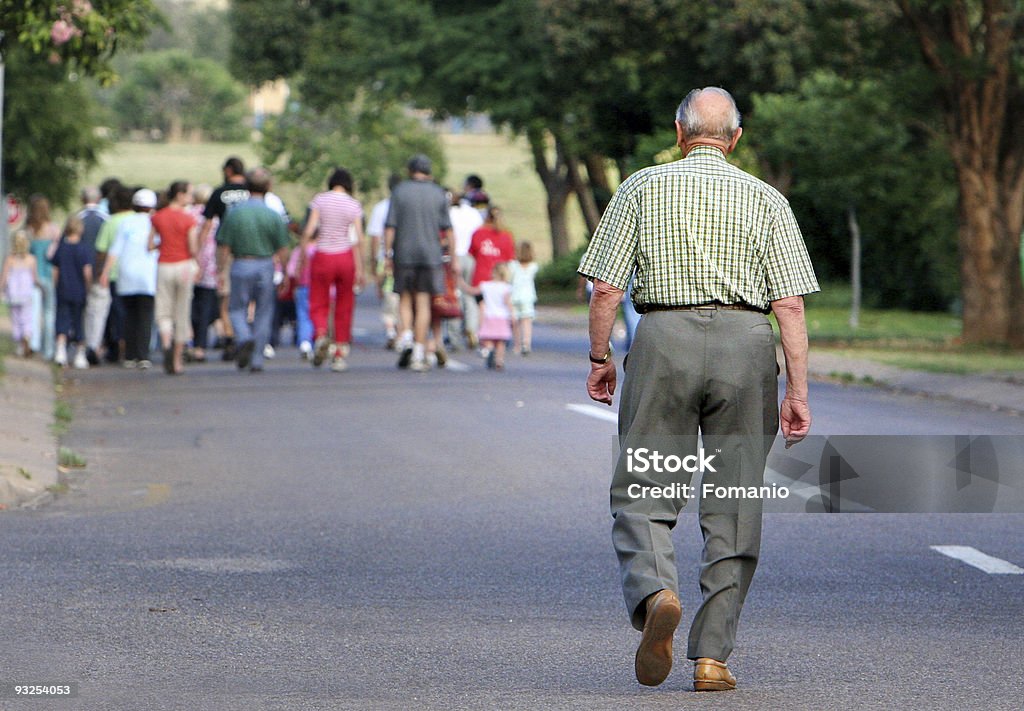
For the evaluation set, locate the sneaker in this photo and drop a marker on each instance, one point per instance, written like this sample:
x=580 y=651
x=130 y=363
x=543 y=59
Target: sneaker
x=338 y=363
x=91 y=357
x=81 y=362
x=406 y=358
x=244 y=357
x=61 y=355
x=130 y=364
x=269 y=352
x=305 y=350
x=145 y=364
x=419 y=366
x=525 y=351
x=320 y=351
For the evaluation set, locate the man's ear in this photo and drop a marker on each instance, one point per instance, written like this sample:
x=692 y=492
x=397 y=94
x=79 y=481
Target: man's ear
x=680 y=136
x=735 y=140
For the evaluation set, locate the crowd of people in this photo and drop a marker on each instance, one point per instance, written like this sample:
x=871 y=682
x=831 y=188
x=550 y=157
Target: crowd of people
x=227 y=268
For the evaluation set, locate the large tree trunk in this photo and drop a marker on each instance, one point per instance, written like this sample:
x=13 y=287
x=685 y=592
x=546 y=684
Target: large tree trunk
x=584 y=193
x=990 y=270
x=970 y=49
x=557 y=186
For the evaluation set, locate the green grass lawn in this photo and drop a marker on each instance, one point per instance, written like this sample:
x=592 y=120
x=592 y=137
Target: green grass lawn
x=906 y=339
x=505 y=165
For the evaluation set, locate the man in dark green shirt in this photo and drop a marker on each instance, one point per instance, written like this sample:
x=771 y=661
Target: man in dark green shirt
x=253 y=235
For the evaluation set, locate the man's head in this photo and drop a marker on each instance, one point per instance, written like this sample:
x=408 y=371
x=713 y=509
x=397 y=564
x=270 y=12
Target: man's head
x=90 y=195
x=258 y=181
x=473 y=182
x=708 y=117
x=233 y=168
x=419 y=165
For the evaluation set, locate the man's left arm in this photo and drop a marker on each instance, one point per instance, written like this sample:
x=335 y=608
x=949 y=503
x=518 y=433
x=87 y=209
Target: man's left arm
x=604 y=305
x=795 y=412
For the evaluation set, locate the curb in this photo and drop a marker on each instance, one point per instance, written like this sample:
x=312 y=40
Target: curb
x=28 y=446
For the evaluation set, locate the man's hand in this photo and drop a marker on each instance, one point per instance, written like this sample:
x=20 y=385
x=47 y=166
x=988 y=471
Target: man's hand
x=601 y=382
x=795 y=416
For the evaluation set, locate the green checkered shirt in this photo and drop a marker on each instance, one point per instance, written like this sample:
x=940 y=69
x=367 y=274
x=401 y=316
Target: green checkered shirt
x=700 y=230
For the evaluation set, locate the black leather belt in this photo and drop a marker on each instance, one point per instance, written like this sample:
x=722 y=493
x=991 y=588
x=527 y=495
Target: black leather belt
x=713 y=305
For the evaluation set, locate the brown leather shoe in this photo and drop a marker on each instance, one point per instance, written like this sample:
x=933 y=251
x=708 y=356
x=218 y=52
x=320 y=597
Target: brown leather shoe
x=654 y=655
x=712 y=675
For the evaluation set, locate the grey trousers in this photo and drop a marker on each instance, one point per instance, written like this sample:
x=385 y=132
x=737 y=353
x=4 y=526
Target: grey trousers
x=713 y=372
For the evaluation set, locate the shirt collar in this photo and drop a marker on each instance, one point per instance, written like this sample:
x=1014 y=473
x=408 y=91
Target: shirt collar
x=706 y=152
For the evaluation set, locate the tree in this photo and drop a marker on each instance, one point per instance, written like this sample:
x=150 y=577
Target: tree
x=178 y=94
x=48 y=129
x=48 y=117
x=976 y=51
x=848 y=173
x=82 y=34
x=367 y=137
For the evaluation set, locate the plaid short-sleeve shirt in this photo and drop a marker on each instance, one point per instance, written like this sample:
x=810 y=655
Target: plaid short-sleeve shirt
x=700 y=230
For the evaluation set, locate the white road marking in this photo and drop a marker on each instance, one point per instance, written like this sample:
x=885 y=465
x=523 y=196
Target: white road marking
x=595 y=411
x=981 y=561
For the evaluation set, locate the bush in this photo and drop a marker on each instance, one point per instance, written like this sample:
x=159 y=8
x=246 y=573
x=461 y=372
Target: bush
x=560 y=273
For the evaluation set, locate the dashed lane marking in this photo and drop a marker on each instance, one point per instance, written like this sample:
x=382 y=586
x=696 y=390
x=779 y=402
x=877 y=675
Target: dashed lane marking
x=981 y=561
x=594 y=411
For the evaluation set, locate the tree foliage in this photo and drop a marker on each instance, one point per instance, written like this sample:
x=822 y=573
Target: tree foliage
x=178 y=94
x=587 y=80
x=825 y=142
x=369 y=138
x=48 y=118
x=48 y=129
x=80 y=33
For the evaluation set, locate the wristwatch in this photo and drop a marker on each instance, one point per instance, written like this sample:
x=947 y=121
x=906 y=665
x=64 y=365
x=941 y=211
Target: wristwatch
x=600 y=361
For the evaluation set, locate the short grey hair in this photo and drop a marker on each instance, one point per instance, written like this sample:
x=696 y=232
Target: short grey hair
x=695 y=124
x=90 y=194
x=259 y=180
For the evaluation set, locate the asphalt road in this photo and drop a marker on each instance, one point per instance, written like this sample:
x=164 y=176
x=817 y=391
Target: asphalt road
x=389 y=540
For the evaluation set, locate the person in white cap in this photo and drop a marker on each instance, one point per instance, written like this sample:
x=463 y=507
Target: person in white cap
x=136 y=283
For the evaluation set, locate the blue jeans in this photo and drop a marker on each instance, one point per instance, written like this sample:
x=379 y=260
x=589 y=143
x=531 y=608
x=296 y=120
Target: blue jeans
x=252 y=280
x=44 y=306
x=304 y=323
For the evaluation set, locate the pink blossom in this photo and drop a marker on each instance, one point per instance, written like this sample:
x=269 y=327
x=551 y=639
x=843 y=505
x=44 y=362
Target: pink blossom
x=81 y=7
x=61 y=32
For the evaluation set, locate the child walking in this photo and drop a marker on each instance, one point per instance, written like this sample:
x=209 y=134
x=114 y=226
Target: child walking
x=496 y=313
x=524 y=298
x=18 y=282
x=72 y=275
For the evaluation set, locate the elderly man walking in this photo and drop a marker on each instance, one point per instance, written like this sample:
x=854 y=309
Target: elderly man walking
x=252 y=234
x=714 y=250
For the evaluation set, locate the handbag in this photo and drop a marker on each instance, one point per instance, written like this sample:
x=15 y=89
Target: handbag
x=446 y=304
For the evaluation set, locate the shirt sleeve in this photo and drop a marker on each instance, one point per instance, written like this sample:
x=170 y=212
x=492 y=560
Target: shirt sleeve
x=789 y=271
x=280 y=236
x=227 y=225
x=445 y=222
x=611 y=255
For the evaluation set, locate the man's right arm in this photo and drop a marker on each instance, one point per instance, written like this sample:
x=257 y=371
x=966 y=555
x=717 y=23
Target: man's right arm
x=795 y=413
